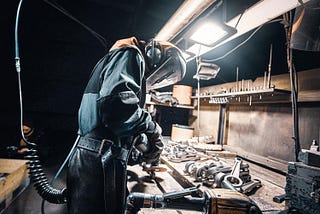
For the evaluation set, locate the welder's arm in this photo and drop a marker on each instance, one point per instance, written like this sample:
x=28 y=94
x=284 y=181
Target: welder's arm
x=155 y=144
x=118 y=104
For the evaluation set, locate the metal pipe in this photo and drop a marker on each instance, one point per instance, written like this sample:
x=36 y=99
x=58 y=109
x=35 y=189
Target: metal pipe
x=222 y=119
x=237 y=79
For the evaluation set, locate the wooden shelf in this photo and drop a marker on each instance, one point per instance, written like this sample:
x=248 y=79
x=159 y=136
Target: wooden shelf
x=168 y=105
x=253 y=96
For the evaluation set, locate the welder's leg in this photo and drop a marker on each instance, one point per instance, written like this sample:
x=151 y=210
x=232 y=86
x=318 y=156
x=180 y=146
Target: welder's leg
x=85 y=183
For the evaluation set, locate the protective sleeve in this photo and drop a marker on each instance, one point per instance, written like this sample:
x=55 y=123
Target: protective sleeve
x=119 y=96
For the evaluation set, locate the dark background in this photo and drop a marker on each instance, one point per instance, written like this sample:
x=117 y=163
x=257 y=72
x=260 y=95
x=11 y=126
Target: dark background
x=57 y=55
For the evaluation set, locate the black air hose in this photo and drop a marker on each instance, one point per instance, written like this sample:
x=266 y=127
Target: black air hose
x=40 y=181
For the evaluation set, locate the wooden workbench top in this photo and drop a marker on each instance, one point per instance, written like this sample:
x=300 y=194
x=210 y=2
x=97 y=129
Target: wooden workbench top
x=175 y=179
x=273 y=184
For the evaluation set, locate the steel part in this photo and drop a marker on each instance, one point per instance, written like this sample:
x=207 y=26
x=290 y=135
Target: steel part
x=234 y=177
x=279 y=198
x=181 y=193
x=221 y=126
x=219 y=178
x=269 y=68
x=235 y=181
x=227 y=184
x=264 y=80
x=237 y=79
x=188 y=166
x=201 y=173
x=249 y=186
x=236 y=168
x=242 y=85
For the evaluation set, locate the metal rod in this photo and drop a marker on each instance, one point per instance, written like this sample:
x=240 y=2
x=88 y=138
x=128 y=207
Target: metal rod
x=269 y=68
x=198 y=112
x=221 y=126
x=242 y=84
x=264 y=80
x=237 y=79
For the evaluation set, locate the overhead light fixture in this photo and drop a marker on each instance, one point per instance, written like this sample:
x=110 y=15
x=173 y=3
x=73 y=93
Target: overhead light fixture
x=207 y=71
x=261 y=12
x=198 y=49
x=211 y=33
x=186 y=13
x=188 y=55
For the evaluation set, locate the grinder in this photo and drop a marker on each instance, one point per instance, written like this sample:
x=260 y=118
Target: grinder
x=214 y=201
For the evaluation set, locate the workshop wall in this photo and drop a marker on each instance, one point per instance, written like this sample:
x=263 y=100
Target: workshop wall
x=264 y=129
x=260 y=129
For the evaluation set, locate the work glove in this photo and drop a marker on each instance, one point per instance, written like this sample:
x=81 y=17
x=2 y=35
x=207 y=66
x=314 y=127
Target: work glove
x=155 y=144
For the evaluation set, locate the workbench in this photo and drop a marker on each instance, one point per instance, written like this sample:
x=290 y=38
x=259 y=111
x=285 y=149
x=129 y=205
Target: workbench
x=13 y=180
x=273 y=183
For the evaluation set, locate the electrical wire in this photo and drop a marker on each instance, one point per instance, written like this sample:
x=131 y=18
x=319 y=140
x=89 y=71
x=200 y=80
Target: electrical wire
x=242 y=43
x=288 y=17
x=37 y=176
x=61 y=168
x=55 y=5
x=36 y=173
x=18 y=70
x=239 y=20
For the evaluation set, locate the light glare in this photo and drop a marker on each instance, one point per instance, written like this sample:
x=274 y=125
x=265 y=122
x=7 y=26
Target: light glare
x=208 y=33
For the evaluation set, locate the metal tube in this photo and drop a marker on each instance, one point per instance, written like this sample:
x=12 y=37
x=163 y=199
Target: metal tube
x=221 y=126
x=237 y=79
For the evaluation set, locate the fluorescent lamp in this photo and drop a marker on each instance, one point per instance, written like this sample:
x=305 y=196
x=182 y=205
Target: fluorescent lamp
x=210 y=33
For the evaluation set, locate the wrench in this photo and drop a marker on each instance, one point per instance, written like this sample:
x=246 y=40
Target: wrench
x=234 y=177
x=249 y=186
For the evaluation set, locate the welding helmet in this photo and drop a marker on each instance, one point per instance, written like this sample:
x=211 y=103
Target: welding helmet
x=166 y=65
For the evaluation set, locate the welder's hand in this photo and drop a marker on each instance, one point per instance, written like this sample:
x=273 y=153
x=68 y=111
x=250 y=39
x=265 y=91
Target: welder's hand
x=155 y=145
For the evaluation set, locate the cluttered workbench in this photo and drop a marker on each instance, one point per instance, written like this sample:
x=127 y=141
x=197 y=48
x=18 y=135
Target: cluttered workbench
x=187 y=167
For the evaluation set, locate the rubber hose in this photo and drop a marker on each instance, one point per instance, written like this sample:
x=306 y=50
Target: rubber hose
x=40 y=181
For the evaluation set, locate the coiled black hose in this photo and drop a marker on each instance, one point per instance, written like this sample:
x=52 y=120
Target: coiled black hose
x=40 y=181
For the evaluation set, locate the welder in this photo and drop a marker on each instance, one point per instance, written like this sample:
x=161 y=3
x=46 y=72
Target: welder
x=111 y=116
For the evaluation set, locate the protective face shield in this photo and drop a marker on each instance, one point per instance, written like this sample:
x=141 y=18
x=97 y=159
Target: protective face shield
x=166 y=65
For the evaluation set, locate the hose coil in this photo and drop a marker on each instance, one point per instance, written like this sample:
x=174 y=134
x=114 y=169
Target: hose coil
x=40 y=181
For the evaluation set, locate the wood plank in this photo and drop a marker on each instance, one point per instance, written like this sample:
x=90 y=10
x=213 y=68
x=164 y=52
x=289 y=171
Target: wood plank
x=17 y=172
x=10 y=165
